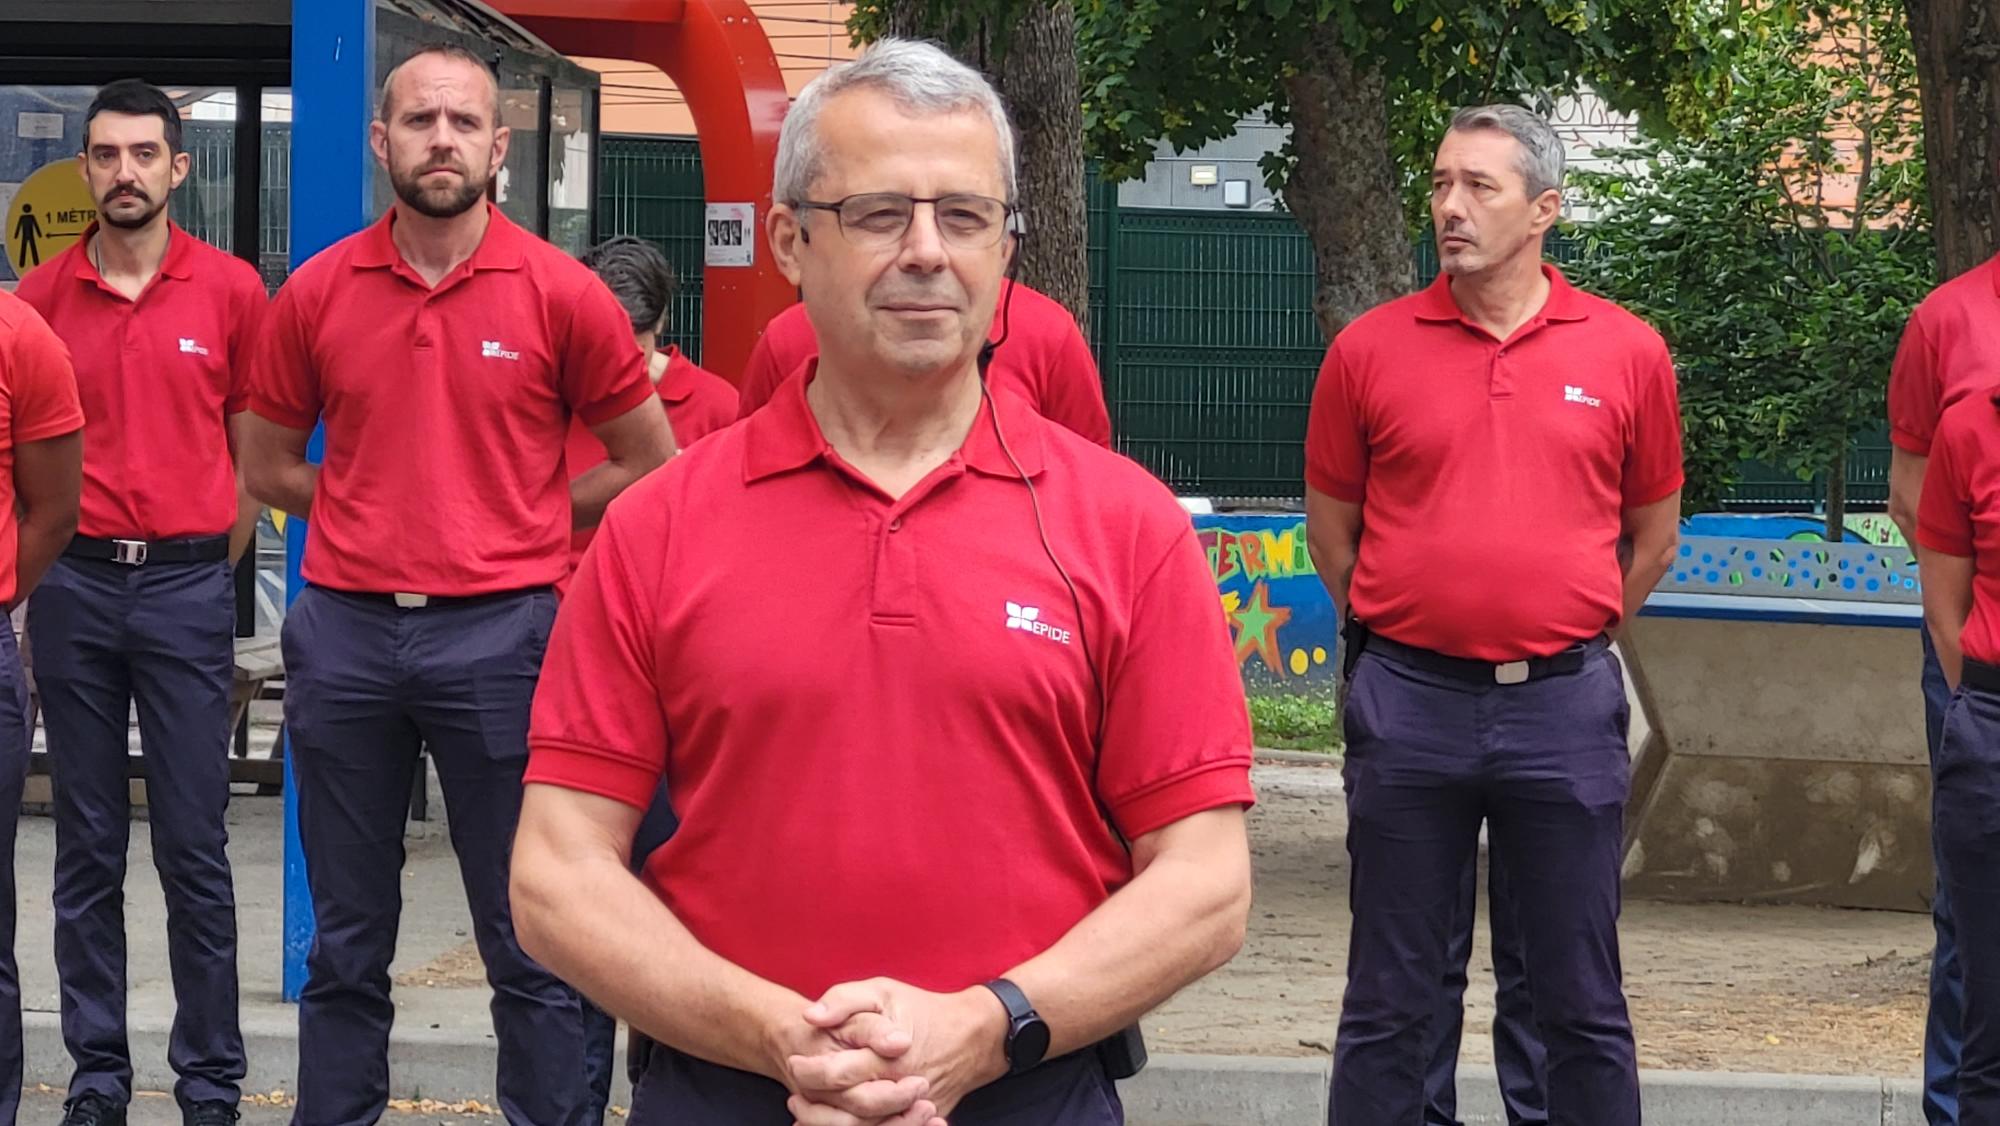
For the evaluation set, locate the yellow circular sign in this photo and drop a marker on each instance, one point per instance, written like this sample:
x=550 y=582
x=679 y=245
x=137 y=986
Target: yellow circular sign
x=47 y=214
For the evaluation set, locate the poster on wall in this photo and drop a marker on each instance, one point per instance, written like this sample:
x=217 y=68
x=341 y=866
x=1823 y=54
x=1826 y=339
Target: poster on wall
x=1281 y=620
x=46 y=214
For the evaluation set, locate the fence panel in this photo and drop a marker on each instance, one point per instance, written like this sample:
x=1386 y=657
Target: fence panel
x=651 y=188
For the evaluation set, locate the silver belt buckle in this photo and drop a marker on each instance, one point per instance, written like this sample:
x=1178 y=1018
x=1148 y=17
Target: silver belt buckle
x=129 y=552
x=1513 y=672
x=412 y=601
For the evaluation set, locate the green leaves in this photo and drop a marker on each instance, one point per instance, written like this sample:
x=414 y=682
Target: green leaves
x=1781 y=250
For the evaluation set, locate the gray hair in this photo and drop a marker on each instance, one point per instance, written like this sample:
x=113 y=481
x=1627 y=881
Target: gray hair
x=919 y=75
x=1542 y=157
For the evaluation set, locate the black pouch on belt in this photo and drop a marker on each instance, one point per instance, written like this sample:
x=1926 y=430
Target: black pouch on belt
x=1353 y=641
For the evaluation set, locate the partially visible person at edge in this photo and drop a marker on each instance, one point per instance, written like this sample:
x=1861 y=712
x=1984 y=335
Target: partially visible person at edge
x=1044 y=360
x=1950 y=349
x=41 y=481
x=898 y=891
x=424 y=344
x=698 y=403
x=1512 y=448
x=141 y=608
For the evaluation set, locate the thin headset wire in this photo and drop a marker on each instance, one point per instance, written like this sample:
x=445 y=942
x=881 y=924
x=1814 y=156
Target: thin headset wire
x=986 y=353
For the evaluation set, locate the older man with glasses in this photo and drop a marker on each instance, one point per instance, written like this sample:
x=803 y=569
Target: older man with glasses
x=902 y=887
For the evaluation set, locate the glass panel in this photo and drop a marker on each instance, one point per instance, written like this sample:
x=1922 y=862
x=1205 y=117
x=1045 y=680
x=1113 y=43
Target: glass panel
x=44 y=204
x=570 y=130
x=521 y=186
x=205 y=203
x=274 y=213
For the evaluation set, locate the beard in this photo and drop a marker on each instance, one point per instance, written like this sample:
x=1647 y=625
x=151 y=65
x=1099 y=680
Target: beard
x=129 y=221
x=436 y=203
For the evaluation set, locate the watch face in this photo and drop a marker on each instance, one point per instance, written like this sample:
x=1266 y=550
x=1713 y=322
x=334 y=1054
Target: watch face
x=1029 y=1045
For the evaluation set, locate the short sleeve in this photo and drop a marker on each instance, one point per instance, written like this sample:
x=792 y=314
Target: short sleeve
x=603 y=371
x=1073 y=392
x=246 y=315
x=597 y=724
x=1653 y=462
x=284 y=383
x=761 y=376
x=1916 y=391
x=1944 y=512
x=41 y=384
x=1176 y=730
x=1336 y=439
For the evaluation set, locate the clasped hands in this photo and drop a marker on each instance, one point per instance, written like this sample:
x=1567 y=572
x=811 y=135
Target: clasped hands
x=883 y=1053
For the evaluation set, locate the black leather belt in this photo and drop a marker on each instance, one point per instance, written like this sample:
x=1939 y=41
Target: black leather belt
x=407 y=601
x=1570 y=660
x=1980 y=675
x=135 y=553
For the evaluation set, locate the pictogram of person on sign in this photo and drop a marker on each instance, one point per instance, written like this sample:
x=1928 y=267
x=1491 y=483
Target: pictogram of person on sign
x=29 y=231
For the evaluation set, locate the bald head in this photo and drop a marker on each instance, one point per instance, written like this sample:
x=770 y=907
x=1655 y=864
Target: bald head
x=440 y=67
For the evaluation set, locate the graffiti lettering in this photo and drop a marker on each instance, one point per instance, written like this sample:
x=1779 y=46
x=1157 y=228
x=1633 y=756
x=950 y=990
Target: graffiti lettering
x=1257 y=554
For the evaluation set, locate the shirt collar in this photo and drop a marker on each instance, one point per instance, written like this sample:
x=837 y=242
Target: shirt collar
x=677 y=382
x=1565 y=303
x=178 y=263
x=499 y=248
x=785 y=436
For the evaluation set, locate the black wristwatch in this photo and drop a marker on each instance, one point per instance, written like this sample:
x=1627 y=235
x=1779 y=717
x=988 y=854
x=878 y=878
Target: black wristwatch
x=1027 y=1032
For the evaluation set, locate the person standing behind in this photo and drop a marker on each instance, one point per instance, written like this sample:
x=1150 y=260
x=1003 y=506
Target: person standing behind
x=698 y=401
x=1958 y=555
x=41 y=478
x=444 y=350
x=1950 y=349
x=1041 y=356
x=1512 y=448
x=141 y=608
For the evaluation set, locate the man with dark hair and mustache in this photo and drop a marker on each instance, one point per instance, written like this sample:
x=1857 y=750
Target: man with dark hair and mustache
x=142 y=605
x=444 y=350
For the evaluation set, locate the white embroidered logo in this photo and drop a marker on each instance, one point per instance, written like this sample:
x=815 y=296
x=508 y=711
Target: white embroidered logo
x=1028 y=619
x=491 y=350
x=1576 y=395
x=190 y=348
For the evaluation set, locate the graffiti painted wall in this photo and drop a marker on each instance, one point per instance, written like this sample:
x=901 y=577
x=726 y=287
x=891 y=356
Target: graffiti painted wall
x=1280 y=617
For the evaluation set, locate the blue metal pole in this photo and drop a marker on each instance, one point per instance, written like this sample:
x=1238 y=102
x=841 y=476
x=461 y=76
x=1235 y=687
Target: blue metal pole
x=333 y=80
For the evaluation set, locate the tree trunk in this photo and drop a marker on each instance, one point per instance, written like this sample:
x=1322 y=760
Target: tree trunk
x=1836 y=498
x=1958 y=69
x=1034 y=67
x=1343 y=188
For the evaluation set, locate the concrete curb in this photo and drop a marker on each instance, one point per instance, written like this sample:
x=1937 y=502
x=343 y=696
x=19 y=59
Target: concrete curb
x=1298 y=758
x=1174 y=1090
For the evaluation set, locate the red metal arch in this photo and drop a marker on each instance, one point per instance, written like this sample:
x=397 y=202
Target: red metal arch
x=716 y=52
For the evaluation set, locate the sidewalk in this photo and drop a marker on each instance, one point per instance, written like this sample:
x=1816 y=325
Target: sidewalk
x=1218 y=1049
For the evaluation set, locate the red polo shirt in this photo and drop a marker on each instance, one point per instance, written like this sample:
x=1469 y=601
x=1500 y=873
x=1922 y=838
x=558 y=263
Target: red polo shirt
x=698 y=402
x=1493 y=475
x=37 y=402
x=887 y=769
x=1960 y=511
x=445 y=408
x=1045 y=361
x=159 y=378
x=1950 y=347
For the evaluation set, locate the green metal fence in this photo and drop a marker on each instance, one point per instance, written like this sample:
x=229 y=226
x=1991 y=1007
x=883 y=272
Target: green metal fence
x=1201 y=321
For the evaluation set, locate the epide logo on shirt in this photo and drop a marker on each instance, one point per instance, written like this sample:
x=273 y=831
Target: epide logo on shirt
x=190 y=348
x=1028 y=619
x=491 y=350
x=1576 y=395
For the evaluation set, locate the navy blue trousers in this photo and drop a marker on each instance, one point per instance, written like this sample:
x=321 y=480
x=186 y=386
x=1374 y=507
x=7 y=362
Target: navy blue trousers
x=14 y=744
x=1518 y=1055
x=1965 y=826
x=368 y=686
x=678 y=1090
x=107 y=636
x=1944 y=1034
x=1546 y=767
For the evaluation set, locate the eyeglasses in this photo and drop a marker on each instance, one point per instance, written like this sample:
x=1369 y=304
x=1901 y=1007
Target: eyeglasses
x=877 y=220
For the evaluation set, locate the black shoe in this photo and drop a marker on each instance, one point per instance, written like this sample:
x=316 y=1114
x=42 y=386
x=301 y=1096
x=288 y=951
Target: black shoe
x=214 y=1112
x=92 y=1109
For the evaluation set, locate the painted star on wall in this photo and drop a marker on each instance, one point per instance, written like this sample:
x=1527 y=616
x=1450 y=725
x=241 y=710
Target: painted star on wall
x=1257 y=623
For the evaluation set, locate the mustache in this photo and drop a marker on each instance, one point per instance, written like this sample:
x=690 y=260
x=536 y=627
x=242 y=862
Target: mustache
x=133 y=192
